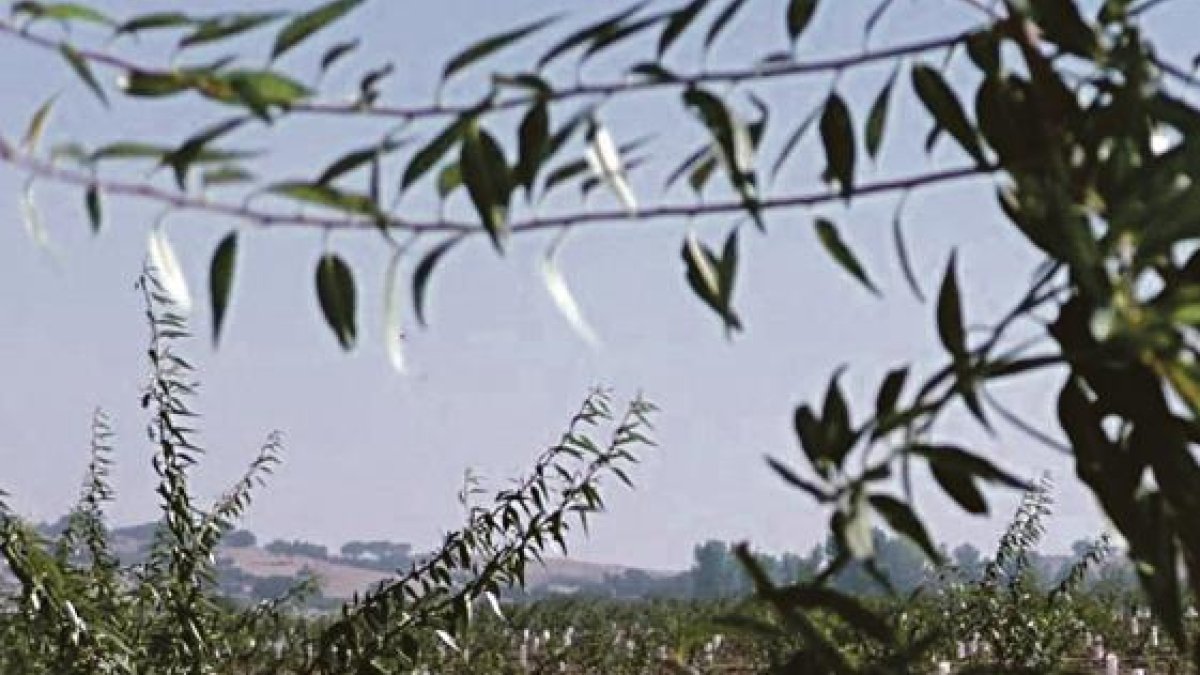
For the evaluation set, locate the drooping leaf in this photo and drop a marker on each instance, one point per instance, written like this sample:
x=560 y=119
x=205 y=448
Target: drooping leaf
x=491 y=45
x=220 y=281
x=226 y=26
x=837 y=135
x=889 y=393
x=945 y=108
x=604 y=158
x=91 y=200
x=677 y=22
x=168 y=270
x=877 y=117
x=61 y=11
x=259 y=89
x=902 y=520
x=712 y=278
x=485 y=175
x=799 y=15
x=560 y=292
x=949 y=312
x=337 y=297
x=902 y=254
x=393 y=334
x=731 y=136
x=305 y=25
x=792 y=478
x=37 y=125
x=84 y=71
x=533 y=137
x=832 y=242
x=429 y=155
x=327 y=196
x=721 y=22
x=424 y=269
x=956 y=471
x=31 y=218
x=337 y=52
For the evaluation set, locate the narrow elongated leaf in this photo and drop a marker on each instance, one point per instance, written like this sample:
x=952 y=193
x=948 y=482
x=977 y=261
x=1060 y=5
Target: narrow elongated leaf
x=491 y=45
x=902 y=520
x=832 y=241
x=225 y=175
x=902 y=254
x=181 y=159
x=712 y=278
x=84 y=71
x=721 y=22
x=149 y=84
x=560 y=292
x=337 y=297
x=799 y=15
x=37 y=125
x=793 y=140
x=305 y=25
x=437 y=148
x=169 y=271
x=421 y=274
x=260 y=89
x=618 y=34
x=533 y=136
x=337 y=53
x=792 y=478
x=961 y=488
x=62 y=11
x=588 y=33
x=949 y=312
x=485 y=175
x=605 y=161
x=393 y=334
x=220 y=281
x=155 y=21
x=948 y=113
x=677 y=22
x=327 y=196
x=877 y=117
x=837 y=135
x=226 y=26
x=889 y=393
x=731 y=136
x=357 y=159
x=91 y=200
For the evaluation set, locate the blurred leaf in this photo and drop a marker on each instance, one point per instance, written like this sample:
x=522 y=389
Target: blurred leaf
x=492 y=44
x=877 y=117
x=181 y=159
x=325 y=195
x=423 y=271
x=37 y=125
x=155 y=21
x=946 y=110
x=712 y=278
x=429 y=155
x=337 y=52
x=357 y=159
x=533 y=136
x=677 y=22
x=793 y=140
x=485 y=175
x=225 y=175
x=393 y=335
x=619 y=33
x=837 y=135
x=564 y=300
x=983 y=48
x=303 y=26
x=792 y=478
x=832 y=241
x=902 y=253
x=91 y=200
x=81 y=68
x=721 y=22
x=902 y=520
x=604 y=158
x=731 y=136
x=142 y=83
x=61 y=11
x=587 y=33
x=449 y=179
x=799 y=15
x=949 y=312
x=225 y=26
x=889 y=393
x=220 y=281
x=847 y=607
x=168 y=270
x=336 y=294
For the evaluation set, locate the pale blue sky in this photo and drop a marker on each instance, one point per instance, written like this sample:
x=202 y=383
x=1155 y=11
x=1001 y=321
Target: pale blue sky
x=373 y=454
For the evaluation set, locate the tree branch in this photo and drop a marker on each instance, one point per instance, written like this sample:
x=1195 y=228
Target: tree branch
x=726 y=76
x=265 y=218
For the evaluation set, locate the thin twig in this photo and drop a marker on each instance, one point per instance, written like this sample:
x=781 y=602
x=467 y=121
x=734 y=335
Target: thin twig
x=43 y=169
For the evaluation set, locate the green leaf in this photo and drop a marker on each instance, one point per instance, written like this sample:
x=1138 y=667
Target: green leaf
x=832 y=241
x=225 y=175
x=847 y=607
x=792 y=478
x=793 y=140
x=961 y=488
x=799 y=15
x=181 y=159
x=712 y=278
x=732 y=137
x=946 y=110
x=983 y=48
x=838 y=436
x=37 y=125
x=429 y=155
x=889 y=393
x=617 y=34
x=220 y=281
x=811 y=435
x=485 y=175
x=902 y=520
x=225 y=26
x=61 y=11
x=533 y=136
x=155 y=21
x=308 y=23
x=721 y=22
x=91 y=200
x=336 y=294
x=81 y=68
x=677 y=22
x=493 y=44
x=877 y=117
x=837 y=135
x=449 y=179
x=357 y=159
x=148 y=84
x=423 y=271
x=949 y=312
x=327 y=196
x=260 y=89
x=956 y=469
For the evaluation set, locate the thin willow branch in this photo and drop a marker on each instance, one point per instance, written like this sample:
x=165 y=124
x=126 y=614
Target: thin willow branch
x=726 y=76
x=43 y=169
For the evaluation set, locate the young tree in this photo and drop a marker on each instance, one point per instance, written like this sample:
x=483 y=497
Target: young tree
x=1086 y=131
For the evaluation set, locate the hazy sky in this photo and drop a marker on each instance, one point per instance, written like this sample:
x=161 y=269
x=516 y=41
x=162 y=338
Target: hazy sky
x=373 y=454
